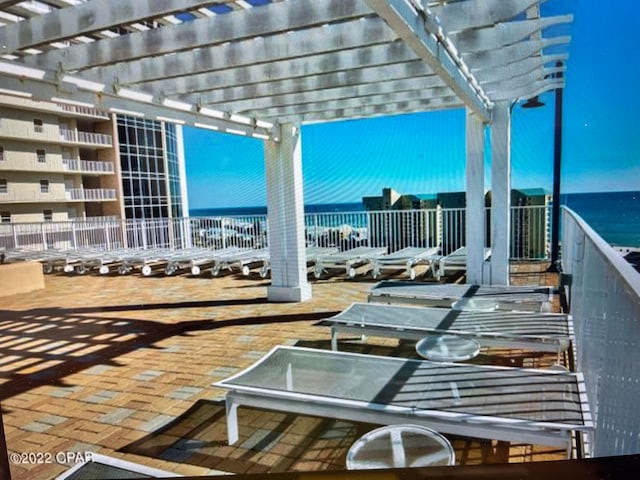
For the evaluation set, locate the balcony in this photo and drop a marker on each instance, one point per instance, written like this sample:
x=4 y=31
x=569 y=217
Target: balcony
x=88 y=166
x=88 y=138
x=83 y=111
x=91 y=195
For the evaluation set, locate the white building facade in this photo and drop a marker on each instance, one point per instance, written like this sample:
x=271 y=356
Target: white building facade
x=61 y=161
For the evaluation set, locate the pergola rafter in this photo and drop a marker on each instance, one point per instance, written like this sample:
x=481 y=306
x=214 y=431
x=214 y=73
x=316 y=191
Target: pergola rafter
x=279 y=57
x=265 y=67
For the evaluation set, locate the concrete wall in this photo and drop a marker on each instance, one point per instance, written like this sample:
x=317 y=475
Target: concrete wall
x=20 y=277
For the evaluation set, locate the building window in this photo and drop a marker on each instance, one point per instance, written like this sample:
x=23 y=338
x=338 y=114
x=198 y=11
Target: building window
x=3 y=185
x=48 y=215
x=1 y=154
x=5 y=217
x=44 y=186
x=41 y=154
x=38 y=125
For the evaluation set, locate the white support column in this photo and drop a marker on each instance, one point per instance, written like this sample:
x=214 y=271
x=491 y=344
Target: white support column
x=500 y=193
x=475 y=211
x=285 y=207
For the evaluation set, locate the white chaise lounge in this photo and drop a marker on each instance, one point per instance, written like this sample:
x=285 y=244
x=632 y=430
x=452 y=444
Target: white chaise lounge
x=407 y=258
x=463 y=296
x=545 y=332
x=530 y=406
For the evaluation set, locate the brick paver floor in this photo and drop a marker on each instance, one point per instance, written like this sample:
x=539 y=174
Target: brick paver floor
x=123 y=366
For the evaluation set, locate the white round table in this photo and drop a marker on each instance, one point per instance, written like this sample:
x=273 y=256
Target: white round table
x=447 y=348
x=400 y=446
x=475 y=305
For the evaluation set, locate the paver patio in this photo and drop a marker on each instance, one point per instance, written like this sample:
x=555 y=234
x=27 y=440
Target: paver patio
x=123 y=366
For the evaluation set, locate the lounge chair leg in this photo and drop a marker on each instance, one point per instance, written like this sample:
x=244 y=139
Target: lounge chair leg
x=264 y=271
x=334 y=340
x=411 y=273
x=232 y=420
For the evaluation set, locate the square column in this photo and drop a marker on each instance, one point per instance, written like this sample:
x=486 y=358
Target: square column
x=285 y=219
x=475 y=223
x=500 y=194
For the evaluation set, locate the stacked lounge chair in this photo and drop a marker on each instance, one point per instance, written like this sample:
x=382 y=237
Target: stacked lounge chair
x=407 y=258
x=348 y=260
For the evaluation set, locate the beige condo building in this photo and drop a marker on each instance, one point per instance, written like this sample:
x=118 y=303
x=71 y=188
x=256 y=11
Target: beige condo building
x=61 y=161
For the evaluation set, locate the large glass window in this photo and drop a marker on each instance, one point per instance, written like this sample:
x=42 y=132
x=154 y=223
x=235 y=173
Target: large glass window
x=142 y=160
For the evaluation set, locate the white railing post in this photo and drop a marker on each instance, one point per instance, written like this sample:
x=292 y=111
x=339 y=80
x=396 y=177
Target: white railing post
x=143 y=228
x=106 y=236
x=44 y=237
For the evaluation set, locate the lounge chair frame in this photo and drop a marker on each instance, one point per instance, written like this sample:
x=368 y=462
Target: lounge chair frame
x=455 y=261
x=544 y=332
x=407 y=258
x=504 y=297
x=448 y=419
x=348 y=260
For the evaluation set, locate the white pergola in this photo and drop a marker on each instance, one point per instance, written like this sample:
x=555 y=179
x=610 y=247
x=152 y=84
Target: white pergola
x=264 y=68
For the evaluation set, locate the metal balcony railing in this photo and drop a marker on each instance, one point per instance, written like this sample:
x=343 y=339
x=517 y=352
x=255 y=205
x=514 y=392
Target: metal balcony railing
x=82 y=110
x=88 y=166
x=91 y=194
x=604 y=302
x=85 y=137
x=443 y=228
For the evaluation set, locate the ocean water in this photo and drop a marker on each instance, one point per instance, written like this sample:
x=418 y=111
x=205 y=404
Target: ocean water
x=614 y=215
x=251 y=211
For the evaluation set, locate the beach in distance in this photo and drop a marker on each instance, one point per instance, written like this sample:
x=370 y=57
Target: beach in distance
x=614 y=215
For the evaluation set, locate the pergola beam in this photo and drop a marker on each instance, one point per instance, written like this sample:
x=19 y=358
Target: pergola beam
x=478 y=13
x=342 y=98
x=272 y=19
x=503 y=34
x=516 y=69
x=249 y=52
x=64 y=92
x=86 y=18
x=423 y=34
x=321 y=113
x=348 y=84
x=390 y=54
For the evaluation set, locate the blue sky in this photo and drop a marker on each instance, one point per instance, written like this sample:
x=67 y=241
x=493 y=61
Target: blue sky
x=424 y=153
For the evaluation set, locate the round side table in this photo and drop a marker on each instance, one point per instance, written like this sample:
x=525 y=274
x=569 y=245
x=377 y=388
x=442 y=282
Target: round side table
x=447 y=348
x=400 y=446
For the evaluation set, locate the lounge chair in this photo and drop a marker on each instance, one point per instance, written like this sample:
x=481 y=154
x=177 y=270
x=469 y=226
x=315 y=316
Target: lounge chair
x=196 y=259
x=531 y=406
x=311 y=253
x=455 y=261
x=546 y=332
x=347 y=260
x=242 y=261
x=463 y=296
x=406 y=258
x=146 y=261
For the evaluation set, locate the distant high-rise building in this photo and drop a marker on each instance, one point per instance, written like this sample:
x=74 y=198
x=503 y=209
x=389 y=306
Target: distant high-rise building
x=444 y=222
x=61 y=161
